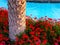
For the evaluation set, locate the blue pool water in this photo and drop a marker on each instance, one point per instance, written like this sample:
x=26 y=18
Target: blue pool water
x=51 y=10
x=3 y=3
x=38 y=10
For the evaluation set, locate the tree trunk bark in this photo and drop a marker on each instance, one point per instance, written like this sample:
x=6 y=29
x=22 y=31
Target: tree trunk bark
x=16 y=14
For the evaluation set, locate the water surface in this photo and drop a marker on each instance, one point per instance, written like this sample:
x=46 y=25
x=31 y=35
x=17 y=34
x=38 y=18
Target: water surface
x=51 y=10
x=38 y=10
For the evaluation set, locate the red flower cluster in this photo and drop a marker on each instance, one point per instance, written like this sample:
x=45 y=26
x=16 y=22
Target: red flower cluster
x=4 y=16
x=4 y=39
x=44 y=31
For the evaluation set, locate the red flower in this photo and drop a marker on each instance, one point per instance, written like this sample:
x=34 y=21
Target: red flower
x=6 y=31
x=32 y=27
x=58 y=39
x=2 y=43
x=1 y=19
x=36 y=38
x=38 y=32
x=32 y=33
x=21 y=42
x=5 y=23
x=17 y=38
x=6 y=38
x=3 y=15
x=25 y=36
x=38 y=42
x=44 y=41
x=6 y=13
x=50 y=19
x=56 y=43
x=37 y=29
x=1 y=37
x=46 y=28
x=30 y=41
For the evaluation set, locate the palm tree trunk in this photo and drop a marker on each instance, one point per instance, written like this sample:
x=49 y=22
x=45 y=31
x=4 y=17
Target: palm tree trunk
x=16 y=14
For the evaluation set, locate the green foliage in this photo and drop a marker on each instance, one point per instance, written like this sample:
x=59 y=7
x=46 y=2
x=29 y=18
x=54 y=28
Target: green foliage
x=57 y=29
x=27 y=32
x=20 y=35
x=48 y=43
x=1 y=26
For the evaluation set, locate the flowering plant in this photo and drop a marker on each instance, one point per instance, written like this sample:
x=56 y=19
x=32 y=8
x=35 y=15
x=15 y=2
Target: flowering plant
x=4 y=39
x=44 y=31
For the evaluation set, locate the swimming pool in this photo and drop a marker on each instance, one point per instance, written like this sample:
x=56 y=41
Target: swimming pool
x=38 y=10
x=51 y=10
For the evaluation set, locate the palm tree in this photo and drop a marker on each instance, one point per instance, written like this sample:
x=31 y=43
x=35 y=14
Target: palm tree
x=16 y=14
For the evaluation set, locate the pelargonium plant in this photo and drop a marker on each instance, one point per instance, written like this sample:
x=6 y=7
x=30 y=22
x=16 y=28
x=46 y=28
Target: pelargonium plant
x=43 y=31
x=4 y=33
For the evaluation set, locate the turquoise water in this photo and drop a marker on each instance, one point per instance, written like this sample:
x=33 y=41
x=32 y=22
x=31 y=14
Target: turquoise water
x=3 y=3
x=38 y=10
x=51 y=10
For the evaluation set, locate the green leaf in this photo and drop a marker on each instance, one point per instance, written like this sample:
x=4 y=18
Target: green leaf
x=26 y=44
x=20 y=35
x=48 y=43
x=27 y=31
x=1 y=25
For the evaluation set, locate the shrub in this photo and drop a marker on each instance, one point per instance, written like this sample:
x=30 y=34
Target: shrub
x=44 y=31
